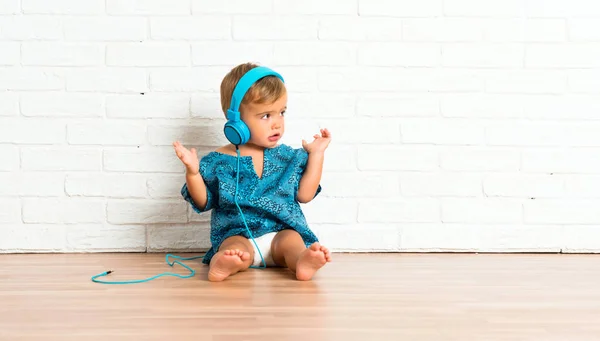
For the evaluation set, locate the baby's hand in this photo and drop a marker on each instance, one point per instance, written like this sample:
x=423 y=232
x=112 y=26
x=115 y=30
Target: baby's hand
x=319 y=144
x=188 y=157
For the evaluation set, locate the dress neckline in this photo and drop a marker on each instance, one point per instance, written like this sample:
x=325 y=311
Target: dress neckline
x=249 y=159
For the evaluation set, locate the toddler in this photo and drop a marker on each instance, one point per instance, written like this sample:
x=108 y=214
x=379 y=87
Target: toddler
x=264 y=180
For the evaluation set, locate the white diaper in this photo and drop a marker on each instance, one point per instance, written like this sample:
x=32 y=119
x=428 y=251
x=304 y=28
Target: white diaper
x=264 y=244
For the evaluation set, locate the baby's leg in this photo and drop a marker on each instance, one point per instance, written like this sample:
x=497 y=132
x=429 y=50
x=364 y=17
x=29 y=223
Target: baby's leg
x=235 y=254
x=288 y=250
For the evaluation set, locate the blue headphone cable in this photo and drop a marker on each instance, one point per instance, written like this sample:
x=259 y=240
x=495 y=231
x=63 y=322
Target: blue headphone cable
x=168 y=256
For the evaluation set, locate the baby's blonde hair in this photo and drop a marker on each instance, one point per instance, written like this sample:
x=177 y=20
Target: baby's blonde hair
x=266 y=90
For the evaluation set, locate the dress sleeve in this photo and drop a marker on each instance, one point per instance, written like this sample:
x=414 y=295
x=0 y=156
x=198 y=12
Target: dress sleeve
x=302 y=157
x=205 y=174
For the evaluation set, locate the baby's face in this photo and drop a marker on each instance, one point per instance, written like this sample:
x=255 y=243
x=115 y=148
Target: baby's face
x=265 y=121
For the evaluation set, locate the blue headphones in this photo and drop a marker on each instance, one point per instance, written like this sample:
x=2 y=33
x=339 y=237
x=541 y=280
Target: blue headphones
x=235 y=129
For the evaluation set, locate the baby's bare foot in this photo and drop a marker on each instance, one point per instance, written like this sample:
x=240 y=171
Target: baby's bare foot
x=227 y=263
x=311 y=260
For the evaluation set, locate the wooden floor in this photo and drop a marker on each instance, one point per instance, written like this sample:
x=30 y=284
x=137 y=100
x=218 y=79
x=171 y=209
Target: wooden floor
x=357 y=296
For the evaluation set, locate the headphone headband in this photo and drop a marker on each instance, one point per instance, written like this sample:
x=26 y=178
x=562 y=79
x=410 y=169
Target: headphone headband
x=243 y=85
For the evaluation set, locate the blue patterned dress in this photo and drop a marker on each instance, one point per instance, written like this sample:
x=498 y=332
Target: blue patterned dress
x=269 y=203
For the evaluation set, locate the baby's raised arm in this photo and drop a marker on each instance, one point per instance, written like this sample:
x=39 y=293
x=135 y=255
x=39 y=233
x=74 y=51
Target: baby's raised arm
x=195 y=183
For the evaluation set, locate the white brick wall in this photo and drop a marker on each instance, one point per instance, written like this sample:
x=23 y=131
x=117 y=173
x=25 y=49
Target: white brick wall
x=458 y=125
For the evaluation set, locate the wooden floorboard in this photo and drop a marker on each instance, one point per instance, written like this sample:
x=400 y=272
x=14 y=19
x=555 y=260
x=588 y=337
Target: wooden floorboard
x=357 y=296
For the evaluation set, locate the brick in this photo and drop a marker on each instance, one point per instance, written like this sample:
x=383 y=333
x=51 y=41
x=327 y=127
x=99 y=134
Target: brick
x=63 y=211
x=483 y=8
x=105 y=29
x=9 y=6
x=399 y=54
x=405 y=105
x=430 y=184
x=494 y=55
x=285 y=27
x=32 y=184
x=442 y=30
x=518 y=185
x=347 y=28
x=318 y=105
x=525 y=30
x=581 y=239
x=549 y=134
x=561 y=161
x=30 y=27
x=299 y=78
x=567 y=55
x=311 y=53
x=104 y=238
x=438 y=237
x=477 y=105
x=520 y=238
x=367 y=237
x=9 y=158
x=10 y=210
x=178 y=237
x=59 y=158
x=561 y=9
x=106 y=133
x=399 y=210
x=584 y=81
x=340 y=158
x=31 y=79
x=63 y=7
x=229 y=7
x=110 y=80
x=477 y=238
x=9 y=104
x=582 y=186
x=400 y=8
x=560 y=211
x=32 y=238
x=148 y=54
x=148 y=7
x=330 y=211
x=146 y=211
x=384 y=158
x=583 y=29
x=62 y=54
x=442 y=132
x=360 y=184
x=382 y=130
x=143 y=160
x=62 y=105
x=567 y=107
x=39 y=131
x=229 y=53
x=378 y=79
x=315 y=7
x=206 y=79
x=213 y=27
x=148 y=106
x=105 y=185
x=204 y=135
x=207 y=106
x=475 y=210
x=480 y=159
x=11 y=53
x=165 y=186
x=529 y=81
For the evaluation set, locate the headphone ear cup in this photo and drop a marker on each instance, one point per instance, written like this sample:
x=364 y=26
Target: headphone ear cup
x=237 y=132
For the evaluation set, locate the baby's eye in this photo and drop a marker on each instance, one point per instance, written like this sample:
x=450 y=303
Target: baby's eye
x=282 y=113
x=264 y=116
